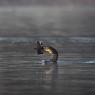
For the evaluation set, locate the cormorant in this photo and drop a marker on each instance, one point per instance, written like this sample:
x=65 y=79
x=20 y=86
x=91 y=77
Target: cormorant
x=42 y=49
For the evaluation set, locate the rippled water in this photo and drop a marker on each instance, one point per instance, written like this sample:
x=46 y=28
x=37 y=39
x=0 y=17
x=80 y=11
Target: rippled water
x=22 y=73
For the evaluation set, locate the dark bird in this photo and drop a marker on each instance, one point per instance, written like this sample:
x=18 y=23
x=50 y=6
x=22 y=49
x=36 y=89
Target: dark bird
x=43 y=49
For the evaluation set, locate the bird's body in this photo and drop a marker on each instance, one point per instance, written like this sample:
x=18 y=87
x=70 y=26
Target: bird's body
x=41 y=49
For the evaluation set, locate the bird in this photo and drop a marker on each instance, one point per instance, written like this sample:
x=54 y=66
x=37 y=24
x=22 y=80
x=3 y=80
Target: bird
x=46 y=49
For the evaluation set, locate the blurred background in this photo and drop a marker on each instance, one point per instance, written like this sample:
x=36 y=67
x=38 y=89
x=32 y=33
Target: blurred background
x=46 y=17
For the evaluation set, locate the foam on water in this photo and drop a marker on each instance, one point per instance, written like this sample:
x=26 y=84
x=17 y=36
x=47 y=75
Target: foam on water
x=49 y=39
x=91 y=61
x=43 y=62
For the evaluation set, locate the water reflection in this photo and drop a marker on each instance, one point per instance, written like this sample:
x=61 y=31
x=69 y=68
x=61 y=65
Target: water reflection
x=19 y=76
